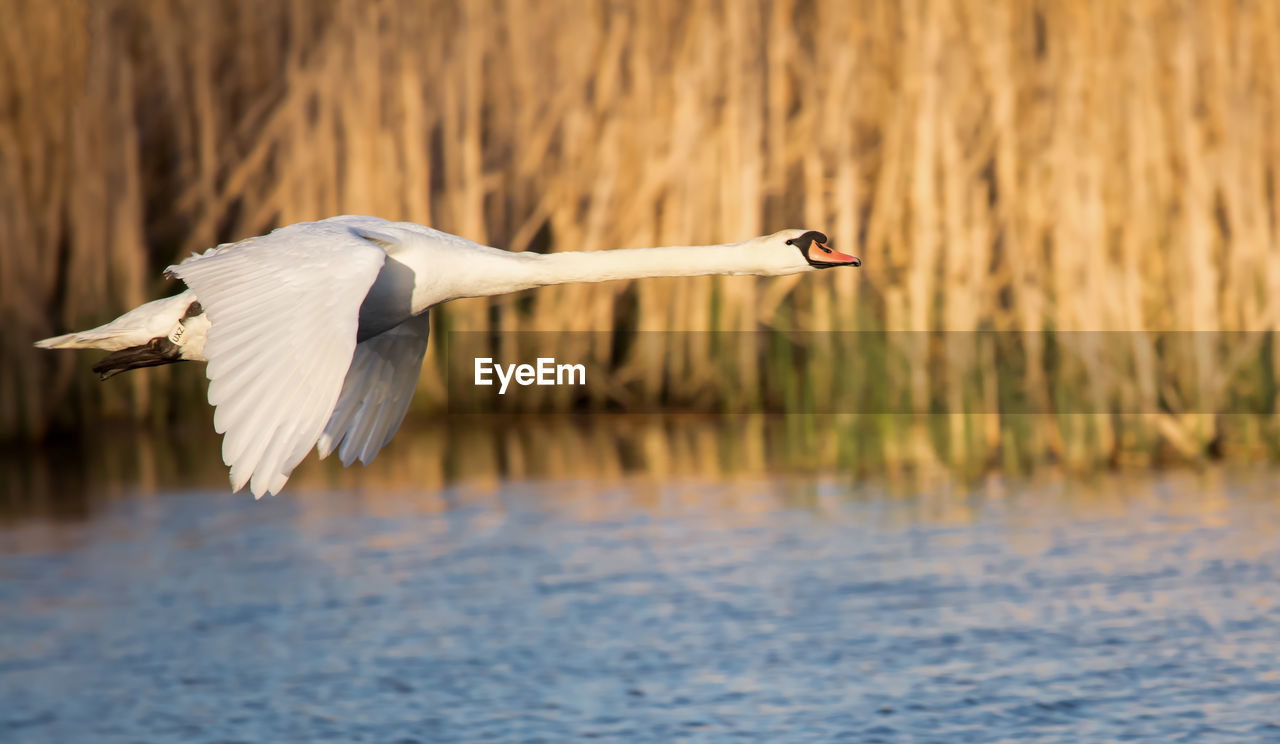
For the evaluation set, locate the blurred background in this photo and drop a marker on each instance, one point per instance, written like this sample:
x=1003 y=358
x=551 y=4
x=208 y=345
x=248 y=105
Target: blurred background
x=1041 y=509
x=1017 y=167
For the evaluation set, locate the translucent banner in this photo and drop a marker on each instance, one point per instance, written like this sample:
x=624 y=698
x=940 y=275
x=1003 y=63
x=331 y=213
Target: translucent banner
x=862 y=372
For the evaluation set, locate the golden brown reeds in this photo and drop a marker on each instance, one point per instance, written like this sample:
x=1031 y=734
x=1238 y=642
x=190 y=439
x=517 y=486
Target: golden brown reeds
x=1014 y=165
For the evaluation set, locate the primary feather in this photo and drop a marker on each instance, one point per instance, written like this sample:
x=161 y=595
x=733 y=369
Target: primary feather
x=278 y=350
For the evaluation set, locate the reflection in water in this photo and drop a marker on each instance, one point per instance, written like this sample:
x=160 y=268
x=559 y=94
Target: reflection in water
x=66 y=479
x=63 y=478
x=640 y=580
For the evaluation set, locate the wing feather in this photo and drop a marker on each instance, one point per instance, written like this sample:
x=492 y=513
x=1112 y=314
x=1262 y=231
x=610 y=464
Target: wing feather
x=376 y=393
x=284 y=313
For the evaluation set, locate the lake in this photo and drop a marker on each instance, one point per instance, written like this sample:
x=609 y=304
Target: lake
x=641 y=581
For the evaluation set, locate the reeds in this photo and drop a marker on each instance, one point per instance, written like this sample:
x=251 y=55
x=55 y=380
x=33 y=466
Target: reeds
x=1008 y=165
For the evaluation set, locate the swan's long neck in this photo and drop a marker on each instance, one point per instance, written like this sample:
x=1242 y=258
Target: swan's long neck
x=494 y=272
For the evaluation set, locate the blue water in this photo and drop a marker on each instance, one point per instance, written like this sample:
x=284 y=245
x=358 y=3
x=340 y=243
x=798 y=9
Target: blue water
x=789 y=609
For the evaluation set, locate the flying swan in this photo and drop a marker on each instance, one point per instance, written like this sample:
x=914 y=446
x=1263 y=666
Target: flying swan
x=315 y=333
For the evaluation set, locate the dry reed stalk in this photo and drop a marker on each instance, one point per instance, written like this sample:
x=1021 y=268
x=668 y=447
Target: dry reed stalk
x=1013 y=165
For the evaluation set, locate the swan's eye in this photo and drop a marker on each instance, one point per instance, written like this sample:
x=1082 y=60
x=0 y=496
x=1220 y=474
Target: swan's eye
x=805 y=242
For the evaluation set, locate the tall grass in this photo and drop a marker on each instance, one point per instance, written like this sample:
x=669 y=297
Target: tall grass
x=998 y=164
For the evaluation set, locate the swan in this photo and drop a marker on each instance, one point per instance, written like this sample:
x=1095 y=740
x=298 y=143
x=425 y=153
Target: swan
x=314 y=334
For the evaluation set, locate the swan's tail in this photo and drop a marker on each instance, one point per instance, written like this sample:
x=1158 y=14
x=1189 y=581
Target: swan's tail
x=101 y=337
x=149 y=353
x=158 y=332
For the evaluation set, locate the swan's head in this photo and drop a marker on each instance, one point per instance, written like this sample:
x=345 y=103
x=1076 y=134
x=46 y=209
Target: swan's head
x=792 y=251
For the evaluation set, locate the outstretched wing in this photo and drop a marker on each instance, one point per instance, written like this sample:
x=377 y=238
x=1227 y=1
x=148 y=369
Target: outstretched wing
x=284 y=312
x=376 y=393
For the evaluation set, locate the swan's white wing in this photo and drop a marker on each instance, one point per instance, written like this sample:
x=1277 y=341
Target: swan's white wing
x=284 y=310
x=377 y=391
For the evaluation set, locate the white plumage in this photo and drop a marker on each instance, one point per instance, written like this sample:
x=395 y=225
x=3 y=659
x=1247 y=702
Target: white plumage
x=376 y=394
x=283 y=312
x=314 y=334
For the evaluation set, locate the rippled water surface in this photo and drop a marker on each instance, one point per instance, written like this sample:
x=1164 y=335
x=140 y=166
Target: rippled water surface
x=639 y=608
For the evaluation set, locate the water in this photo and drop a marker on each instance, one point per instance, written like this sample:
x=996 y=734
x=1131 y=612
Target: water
x=618 y=605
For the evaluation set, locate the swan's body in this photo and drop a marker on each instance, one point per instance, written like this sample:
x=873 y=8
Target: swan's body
x=314 y=334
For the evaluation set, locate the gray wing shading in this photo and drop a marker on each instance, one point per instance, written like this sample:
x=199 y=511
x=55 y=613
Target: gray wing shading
x=376 y=393
x=284 y=314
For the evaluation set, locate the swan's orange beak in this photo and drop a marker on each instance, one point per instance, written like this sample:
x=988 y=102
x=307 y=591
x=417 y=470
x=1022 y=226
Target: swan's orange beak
x=821 y=253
